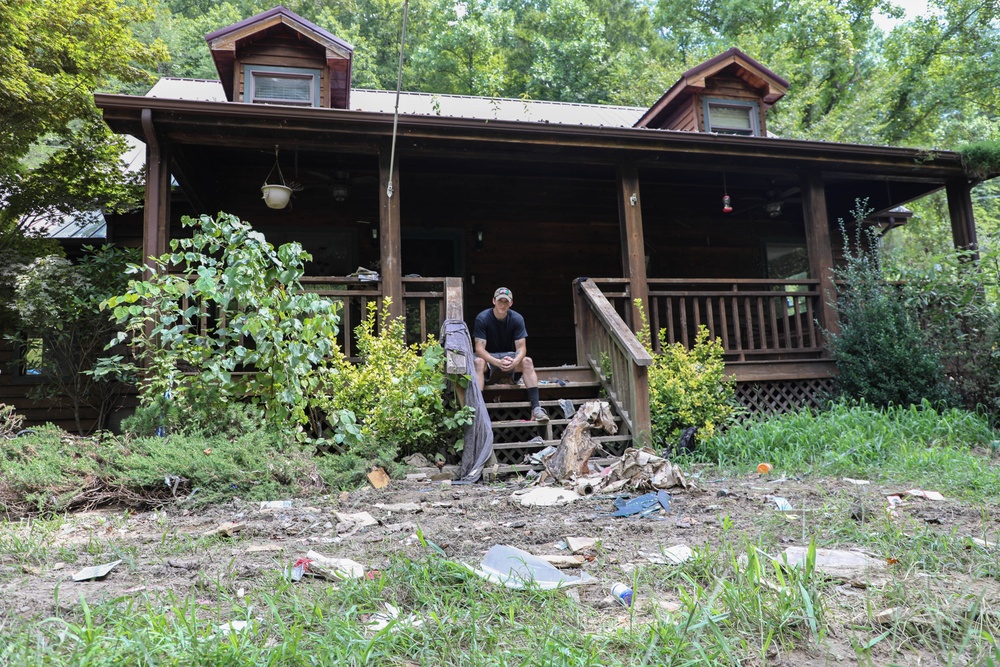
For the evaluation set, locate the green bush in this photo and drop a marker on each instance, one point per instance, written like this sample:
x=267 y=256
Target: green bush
x=882 y=355
x=956 y=299
x=61 y=320
x=393 y=401
x=688 y=387
x=208 y=417
x=231 y=323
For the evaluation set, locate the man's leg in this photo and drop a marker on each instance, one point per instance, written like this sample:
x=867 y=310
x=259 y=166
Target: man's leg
x=527 y=370
x=481 y=372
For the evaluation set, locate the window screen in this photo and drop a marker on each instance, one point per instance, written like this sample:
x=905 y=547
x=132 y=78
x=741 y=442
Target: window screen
x=282 y=85
x=731 y=117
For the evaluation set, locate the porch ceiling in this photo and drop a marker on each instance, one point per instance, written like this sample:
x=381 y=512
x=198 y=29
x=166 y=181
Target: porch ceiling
x=212 y=139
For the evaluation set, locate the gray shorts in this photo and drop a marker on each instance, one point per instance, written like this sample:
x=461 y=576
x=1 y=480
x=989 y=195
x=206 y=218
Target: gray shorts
x=495 y=373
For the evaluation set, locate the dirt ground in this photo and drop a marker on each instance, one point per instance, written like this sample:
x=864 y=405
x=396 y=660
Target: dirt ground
x=465 y=521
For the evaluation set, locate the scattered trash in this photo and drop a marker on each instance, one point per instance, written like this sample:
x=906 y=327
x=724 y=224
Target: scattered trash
x=545 y=496
x=578 y=544
x=577 y=444
x=95 y=571
x=983 y=543
x=645 y=504
x=513 y=568
x=886 y=616
x=352 y=523
x=275 y=504
x=857 y=568
x=764 y=468
x=417 y=476
x=929 y=495
x=782 y=504
x=674 y=555
x=378 y=478
x=567 y=407
x=227 y=529
x=857 y=482
x=233 y=627
x=562 y=562
x=723 y=493
x=536 y=458
x=318 y=565
x=381 y=620
x=585 y=485
x=400 y=507
x=622 y=593
x=641 y=470
x=417 y=460
x=262 y=548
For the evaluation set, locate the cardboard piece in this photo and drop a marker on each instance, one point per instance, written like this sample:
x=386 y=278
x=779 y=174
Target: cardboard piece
x=857 y=568
x=378 y=478
x=95 y=571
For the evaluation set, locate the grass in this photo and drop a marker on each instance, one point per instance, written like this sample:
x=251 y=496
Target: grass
x=732 y=603
x=918 y=444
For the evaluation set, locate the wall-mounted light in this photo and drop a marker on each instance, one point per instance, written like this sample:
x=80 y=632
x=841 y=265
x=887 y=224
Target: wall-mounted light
x=479 y=239
x=374 y=237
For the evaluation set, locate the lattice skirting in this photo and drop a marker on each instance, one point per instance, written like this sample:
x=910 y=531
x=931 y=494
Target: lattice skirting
x=777 y=397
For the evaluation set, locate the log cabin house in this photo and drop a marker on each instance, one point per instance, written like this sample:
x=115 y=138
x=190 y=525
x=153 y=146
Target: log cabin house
x=579 y=209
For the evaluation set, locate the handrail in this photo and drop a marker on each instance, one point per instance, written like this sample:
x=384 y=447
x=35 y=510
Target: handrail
x=753 y=318
x=606 y=344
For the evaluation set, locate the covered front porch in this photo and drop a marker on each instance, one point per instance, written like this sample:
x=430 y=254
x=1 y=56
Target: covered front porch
x=533 y=207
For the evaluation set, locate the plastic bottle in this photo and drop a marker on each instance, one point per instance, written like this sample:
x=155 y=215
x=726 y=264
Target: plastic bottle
x=622 y=593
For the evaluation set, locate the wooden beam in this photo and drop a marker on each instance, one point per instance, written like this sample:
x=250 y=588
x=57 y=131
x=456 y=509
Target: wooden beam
x=156 y=211
x=632 y=244
x=453 y=299
x=389 y=232
x=819 y=248
x=963 y=219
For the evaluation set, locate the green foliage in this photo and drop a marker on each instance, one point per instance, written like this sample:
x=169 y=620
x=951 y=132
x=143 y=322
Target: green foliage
x=48 y=472
x=917 y=443
x=59 y=305
x=211 y=417
x=10 y=421
x=393 y=399
x=232 y=323
x=957 y=301
x=981 y=159
x=687 y=387
x=882 y=355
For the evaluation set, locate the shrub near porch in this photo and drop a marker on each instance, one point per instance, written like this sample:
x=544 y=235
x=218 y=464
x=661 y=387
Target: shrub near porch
x=689 y=388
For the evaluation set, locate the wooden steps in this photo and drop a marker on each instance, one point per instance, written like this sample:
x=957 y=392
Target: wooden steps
x=516 y=435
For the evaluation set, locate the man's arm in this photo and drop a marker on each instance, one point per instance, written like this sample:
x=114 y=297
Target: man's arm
x=481 y=352
x=521 y=348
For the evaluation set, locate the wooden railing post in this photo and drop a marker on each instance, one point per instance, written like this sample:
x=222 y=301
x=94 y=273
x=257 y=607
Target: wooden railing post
x=453 y=307
x=389 y=233
x=633 y=245
x=819 y=248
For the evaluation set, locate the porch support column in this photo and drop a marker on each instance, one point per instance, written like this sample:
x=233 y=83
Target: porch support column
x=633 y=247
x=156 y=210
x=963 y=221
x=389 y=234
x=819 y=248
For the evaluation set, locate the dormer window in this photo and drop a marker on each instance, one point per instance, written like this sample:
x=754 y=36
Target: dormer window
x=282 y=85
x=731 y=117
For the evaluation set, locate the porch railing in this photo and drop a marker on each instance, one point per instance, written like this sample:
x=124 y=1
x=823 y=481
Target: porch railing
x=755 y=319
x=423 y=300
x=606 y=344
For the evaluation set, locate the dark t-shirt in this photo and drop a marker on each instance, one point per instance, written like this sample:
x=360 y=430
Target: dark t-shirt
x=499 y=334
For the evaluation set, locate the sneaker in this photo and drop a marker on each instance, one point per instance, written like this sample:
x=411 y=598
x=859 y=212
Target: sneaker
x=540 y=415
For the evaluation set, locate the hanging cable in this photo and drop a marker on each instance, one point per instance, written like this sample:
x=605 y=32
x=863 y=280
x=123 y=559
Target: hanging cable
x=395 y=115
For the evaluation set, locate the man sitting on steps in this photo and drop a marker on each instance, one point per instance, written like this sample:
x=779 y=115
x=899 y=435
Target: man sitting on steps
x=499 y=336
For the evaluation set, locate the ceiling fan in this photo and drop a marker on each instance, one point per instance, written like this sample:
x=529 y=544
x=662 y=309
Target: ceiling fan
x=340 y=183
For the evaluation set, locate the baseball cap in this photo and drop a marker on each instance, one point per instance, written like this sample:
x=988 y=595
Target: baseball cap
x=503 y=293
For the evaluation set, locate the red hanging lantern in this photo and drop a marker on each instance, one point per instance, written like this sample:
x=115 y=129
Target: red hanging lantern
x=727 y=204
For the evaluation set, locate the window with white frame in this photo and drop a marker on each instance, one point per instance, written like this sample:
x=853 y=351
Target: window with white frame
x=281 y=85
x=731 y=117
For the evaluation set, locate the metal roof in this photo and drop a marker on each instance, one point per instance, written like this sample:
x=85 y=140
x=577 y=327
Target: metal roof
x=432 y=104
